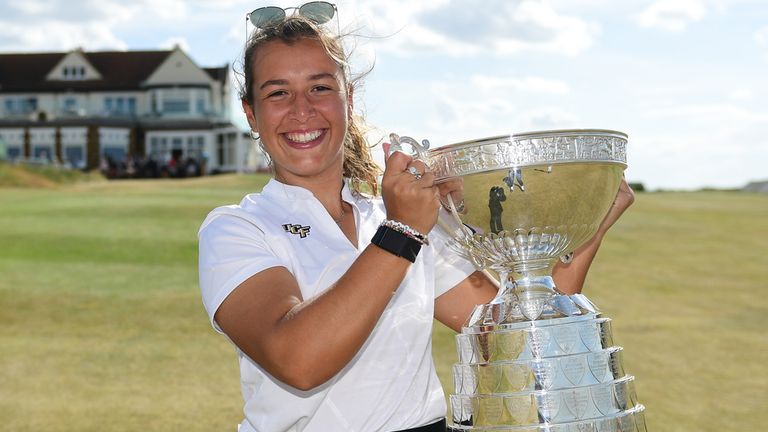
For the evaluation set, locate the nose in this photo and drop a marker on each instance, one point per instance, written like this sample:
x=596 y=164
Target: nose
x=302 y=107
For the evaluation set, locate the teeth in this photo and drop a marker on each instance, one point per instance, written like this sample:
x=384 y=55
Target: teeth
x=303 y=137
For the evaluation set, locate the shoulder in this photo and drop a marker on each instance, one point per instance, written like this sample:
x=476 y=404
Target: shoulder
x=250 y=212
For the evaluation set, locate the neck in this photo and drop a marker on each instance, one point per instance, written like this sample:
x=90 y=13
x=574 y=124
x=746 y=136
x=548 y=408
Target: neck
x=326 y=188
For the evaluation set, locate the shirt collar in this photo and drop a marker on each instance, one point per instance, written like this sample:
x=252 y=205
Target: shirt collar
x=280 y=191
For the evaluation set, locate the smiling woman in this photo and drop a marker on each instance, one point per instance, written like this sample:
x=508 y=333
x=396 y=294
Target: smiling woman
x=328 y=293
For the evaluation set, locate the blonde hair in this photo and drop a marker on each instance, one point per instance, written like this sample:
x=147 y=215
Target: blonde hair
x=358 y=164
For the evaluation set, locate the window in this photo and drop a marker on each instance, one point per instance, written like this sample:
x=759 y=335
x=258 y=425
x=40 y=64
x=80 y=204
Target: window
x=195 y=147
x=120 y=105
x=158 y=148
x=14 y=143
x=70 y=104
x=73 y=143
x=74 y=73
x=114 y=143
x=75 y=156
x=175 y=106
x=176 y=100
x=13 y=152
x=43 y=152
x=201 y=104
x=20 y=105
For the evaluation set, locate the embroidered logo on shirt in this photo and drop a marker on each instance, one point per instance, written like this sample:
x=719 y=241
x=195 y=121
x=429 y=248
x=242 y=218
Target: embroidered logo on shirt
x=302 y=231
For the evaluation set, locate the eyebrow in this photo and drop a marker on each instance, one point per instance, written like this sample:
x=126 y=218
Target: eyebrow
x=313 y=77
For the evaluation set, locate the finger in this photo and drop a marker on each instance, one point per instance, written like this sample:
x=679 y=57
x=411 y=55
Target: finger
x=427 y=181
x=385 y=146
x=420 y=166
x=397 y=162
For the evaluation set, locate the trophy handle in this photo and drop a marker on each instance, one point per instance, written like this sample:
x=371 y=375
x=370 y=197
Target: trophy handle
x=409 y=146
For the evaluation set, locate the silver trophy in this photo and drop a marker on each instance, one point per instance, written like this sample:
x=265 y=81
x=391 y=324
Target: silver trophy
x=533 y=359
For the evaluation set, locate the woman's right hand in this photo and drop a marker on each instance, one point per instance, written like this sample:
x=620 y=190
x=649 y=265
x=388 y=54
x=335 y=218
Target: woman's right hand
x=408 y=199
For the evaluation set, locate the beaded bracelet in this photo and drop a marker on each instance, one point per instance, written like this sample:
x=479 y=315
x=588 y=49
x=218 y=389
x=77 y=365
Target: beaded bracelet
x=407 y=230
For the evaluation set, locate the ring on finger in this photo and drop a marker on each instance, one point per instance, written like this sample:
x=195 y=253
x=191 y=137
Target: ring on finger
x=414 y=172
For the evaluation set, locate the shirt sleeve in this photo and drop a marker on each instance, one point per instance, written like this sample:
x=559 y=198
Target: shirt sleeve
x=450 y=267
x=231 y=249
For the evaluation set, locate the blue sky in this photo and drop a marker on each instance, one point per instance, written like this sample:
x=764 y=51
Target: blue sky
x=684 y=78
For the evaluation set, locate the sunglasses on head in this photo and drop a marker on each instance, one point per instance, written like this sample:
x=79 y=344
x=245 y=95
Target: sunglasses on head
x=319 y=12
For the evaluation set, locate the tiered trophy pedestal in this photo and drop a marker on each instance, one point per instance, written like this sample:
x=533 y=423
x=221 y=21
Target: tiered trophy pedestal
x=533 y=359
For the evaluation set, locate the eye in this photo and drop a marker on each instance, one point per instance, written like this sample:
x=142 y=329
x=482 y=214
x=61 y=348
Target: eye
x=322 y=88
x=276 y=94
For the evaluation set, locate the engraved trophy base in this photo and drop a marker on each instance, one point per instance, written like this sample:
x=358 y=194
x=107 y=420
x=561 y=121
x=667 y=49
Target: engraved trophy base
x=556 y=375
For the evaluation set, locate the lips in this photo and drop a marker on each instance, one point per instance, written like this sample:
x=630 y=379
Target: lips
x=304 y=139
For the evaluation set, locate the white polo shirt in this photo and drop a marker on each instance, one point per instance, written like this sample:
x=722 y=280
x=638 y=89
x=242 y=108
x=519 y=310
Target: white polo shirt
x=391 y=383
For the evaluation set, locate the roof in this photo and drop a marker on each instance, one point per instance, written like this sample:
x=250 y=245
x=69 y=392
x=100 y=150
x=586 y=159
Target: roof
x=120 y=71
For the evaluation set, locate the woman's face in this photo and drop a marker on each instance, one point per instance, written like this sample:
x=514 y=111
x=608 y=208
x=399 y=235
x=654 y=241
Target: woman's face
x=300 y=108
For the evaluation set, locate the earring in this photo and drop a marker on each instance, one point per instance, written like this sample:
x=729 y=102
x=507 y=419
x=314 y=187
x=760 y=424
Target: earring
x=256 y=138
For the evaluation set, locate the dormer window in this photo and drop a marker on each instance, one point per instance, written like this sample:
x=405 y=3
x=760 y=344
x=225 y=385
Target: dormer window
x=74 y=73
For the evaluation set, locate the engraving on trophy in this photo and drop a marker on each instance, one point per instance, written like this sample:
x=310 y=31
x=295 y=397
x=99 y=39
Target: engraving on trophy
x=516 y=377
x=577 y=400
x=465 y=349
x=598 y=365
x=544 y=371
x=567 y=337
x=489 y=411
x=509 y=345
x=488 y=378
x=549 y=405
x=538 y=341
x=608 y=425
x=589 y=334
x=602 y=396
x=521 y=409
x=573 y=368
x=464 y=379
x=532 y=308
x=586 y=427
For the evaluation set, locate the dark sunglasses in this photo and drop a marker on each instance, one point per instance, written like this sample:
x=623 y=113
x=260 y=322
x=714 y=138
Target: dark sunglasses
x=319 y=12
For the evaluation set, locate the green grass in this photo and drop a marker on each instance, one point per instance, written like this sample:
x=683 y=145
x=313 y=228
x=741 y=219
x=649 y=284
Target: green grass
x=42 y=176
x=102 y=328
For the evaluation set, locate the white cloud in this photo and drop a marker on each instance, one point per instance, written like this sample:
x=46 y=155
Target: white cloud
x=546 y=118
x=740 y=94
x=470 y=27
x=761 y=36
x=672 y=15
x=171 y=10
x=527 y=84
x=170 y=43
x=711 y=114
x=89 y=36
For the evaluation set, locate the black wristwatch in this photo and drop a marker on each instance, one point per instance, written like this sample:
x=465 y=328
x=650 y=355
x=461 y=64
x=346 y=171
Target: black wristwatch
x=396 y=243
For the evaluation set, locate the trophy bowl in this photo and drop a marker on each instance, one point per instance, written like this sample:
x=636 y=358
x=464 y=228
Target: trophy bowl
x=525 y=201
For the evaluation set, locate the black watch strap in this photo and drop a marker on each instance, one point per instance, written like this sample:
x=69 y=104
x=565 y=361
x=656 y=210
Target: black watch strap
x=396 y=243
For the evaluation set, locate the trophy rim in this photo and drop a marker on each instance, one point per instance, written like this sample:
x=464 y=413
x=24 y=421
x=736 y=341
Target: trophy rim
x=441 y=158
x=532 y=134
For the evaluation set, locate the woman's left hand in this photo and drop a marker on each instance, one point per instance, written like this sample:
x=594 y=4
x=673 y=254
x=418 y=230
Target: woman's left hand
x=624 y=198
